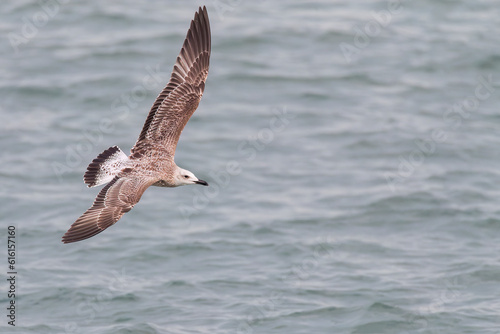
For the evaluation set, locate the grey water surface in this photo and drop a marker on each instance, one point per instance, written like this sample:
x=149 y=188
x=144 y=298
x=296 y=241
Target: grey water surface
x=352 y=151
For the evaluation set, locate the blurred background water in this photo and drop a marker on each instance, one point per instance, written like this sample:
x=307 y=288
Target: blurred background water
x=352 y=150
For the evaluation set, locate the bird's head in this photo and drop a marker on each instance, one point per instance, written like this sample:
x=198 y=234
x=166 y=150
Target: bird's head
x=184 y=177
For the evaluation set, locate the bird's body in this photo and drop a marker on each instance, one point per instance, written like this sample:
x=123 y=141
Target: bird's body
x=151 y=160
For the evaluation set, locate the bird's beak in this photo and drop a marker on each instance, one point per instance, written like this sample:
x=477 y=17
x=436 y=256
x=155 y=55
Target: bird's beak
x=203 y=183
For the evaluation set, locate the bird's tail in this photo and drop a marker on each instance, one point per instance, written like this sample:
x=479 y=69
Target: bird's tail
x=104 y=168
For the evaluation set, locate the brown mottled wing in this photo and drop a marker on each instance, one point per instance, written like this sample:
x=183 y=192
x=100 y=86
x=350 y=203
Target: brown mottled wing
x=180 y=98
x=115 y=199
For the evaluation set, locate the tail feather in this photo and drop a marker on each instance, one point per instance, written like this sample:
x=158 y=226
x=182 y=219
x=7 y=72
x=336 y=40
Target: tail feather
x=103 y=168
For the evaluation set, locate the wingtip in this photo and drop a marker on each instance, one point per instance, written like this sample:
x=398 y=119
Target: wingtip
x=71 y=236
x=65 y=240
x=202 y=11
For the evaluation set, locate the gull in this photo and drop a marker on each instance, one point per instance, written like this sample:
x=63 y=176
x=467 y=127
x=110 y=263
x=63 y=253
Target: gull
x=151 y=160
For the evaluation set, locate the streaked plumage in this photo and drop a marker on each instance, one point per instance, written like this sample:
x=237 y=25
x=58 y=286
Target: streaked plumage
x=151 y=161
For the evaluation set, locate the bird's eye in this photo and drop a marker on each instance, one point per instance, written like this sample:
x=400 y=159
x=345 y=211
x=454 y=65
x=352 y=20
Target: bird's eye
x=186 y=176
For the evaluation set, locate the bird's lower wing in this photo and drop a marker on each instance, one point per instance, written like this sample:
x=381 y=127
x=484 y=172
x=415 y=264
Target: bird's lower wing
x=117 y=198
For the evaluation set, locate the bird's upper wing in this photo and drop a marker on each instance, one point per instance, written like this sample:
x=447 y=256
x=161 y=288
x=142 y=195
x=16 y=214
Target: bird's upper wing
x=115 y=199
x=180 y=98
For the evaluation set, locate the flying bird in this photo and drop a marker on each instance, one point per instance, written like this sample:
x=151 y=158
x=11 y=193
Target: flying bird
x=151 y=160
